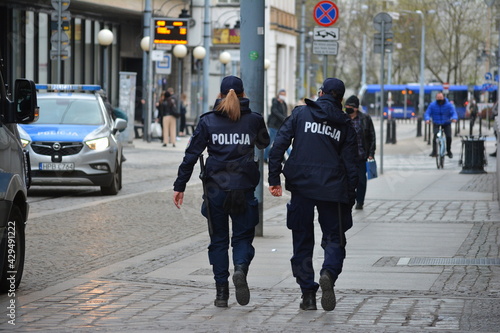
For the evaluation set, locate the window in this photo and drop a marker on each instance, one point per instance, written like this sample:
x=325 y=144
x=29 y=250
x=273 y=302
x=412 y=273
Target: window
x=229 y=1
x=68 y=111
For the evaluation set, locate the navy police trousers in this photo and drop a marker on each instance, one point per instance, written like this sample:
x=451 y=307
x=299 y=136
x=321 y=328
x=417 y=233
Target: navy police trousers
x=243 y=232
x=300 y=220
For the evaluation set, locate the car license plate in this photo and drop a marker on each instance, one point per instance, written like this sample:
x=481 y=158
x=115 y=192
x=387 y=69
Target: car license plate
x=57 y=166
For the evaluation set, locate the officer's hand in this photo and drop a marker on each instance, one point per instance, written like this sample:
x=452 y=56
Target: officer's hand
x=276 y=190
x=178 y=199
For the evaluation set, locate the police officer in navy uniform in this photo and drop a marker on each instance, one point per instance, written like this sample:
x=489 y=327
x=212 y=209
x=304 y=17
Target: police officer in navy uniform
x=321 y=172
x=229 y=132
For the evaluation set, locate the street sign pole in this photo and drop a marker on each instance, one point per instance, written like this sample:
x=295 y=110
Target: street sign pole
x=59 y=32
x=325 y=13
x=325 y=64
x=382 y=56
x=60 y=23
x=383 y=23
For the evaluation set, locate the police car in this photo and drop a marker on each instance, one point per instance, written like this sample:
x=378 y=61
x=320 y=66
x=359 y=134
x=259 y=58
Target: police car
x=75 y=140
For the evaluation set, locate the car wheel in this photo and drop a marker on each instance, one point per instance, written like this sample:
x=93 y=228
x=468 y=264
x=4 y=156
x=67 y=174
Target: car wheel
x=13 y=244
x=115 y=184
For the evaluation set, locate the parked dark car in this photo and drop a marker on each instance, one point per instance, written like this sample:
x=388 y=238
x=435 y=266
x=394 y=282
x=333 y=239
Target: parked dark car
x=14 y=180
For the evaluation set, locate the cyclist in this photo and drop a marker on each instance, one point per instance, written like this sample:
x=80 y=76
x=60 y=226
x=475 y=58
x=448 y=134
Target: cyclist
x=442 y=113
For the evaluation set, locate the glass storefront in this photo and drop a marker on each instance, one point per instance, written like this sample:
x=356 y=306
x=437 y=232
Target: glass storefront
x=26 y=50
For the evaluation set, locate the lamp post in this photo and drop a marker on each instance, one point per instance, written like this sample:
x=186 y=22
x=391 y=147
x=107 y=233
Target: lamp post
x=490 y=3
x=302 y=50
x=224 y=58
x=147 y=114
x=422 y=61
x=267 y=64
x=199 y=53
x=180 y=51
x=308 y=44
x=206 y=45
x=105 y=38
x=422 y=67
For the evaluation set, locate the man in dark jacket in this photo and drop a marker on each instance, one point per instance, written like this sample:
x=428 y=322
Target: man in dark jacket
x=321 y=172
x=366 y=144
x=279 y=112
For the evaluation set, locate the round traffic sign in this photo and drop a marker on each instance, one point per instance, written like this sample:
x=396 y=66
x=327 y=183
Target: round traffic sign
x=384 y=18
x=326 y=13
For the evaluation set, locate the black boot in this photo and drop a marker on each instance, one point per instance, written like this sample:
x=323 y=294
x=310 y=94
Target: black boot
x=240 y=284
x=328 y=300
x=222 y=295
x=308 y=301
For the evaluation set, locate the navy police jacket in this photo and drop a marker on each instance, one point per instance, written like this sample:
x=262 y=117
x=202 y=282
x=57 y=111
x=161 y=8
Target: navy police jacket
x=323 y=163
x=231 y=164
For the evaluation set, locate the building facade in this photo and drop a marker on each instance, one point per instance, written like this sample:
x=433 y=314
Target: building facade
x=30 y=47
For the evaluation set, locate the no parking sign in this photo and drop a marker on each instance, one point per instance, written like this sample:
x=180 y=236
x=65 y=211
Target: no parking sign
x=326 y=13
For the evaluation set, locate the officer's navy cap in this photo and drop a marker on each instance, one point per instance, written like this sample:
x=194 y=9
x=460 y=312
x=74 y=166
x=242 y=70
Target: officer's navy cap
x=333 y=84
x=231 y=82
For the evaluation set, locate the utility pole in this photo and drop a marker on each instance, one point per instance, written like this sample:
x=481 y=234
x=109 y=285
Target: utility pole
x=206 y=59
x=252 y=74
x=382 y=44
x=301 y=93
x=148 y=105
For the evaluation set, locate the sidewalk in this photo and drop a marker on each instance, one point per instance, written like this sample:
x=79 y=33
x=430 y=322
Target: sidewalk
x=406 y=267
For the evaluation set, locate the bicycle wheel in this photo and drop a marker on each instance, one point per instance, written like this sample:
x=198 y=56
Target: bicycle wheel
x=438 y=153
x=443 y=148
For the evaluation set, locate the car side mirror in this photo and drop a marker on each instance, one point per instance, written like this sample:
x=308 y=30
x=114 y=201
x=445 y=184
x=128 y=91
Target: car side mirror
x=120 y=125
x=25 y=102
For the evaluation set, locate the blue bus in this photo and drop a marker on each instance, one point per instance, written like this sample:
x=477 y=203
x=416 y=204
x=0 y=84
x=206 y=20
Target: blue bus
x=401 y=100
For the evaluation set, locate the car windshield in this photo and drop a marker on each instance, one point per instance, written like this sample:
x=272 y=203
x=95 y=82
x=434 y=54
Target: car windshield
x=69 y=111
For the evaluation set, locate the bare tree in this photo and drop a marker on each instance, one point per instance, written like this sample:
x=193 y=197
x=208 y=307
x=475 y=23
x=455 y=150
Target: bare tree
x=457 y=34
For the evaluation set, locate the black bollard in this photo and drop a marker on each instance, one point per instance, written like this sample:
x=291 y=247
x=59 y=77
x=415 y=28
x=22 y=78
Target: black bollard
x=419 y=127
x=393 y=130
x=429 y=134
x=388 y=138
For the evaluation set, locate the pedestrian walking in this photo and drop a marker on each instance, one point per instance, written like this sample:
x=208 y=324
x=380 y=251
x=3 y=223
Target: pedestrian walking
x=229 y=133
x=279 y=112
x=184 y=104
x=363 y=125
x=321 y=172
x=168 y=117
x=473 y=110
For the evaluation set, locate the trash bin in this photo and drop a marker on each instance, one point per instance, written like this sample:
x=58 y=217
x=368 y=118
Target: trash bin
x=472 y=157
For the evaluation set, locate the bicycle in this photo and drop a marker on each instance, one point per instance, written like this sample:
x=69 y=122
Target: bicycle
x=440 y=147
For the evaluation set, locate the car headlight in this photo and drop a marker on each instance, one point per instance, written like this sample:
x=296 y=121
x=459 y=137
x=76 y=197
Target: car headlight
x=98 y=144
x=25 y=142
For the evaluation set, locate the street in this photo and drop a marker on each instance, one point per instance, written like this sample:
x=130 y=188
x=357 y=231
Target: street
x=97 y=230
x=134 y=262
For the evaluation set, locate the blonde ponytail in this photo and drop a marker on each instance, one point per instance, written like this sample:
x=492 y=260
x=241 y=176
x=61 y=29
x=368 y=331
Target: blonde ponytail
x=230 y=104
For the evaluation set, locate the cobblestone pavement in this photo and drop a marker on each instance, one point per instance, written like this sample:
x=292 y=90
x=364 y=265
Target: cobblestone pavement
x=92 y=269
